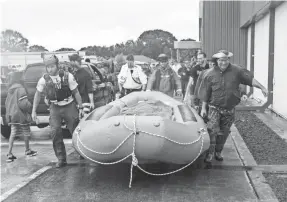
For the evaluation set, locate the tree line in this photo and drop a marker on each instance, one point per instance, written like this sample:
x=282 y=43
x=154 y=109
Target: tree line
x=150 y=43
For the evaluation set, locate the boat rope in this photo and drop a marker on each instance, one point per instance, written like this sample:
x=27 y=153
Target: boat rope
x=134 y=133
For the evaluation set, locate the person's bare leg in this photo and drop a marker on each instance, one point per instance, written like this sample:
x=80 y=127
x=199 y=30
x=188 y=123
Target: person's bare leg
x=26 y=139
x=11 y=139
x=11 y=142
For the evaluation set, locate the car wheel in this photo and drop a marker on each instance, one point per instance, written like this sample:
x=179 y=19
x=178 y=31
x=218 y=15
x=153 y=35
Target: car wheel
x=5 y=131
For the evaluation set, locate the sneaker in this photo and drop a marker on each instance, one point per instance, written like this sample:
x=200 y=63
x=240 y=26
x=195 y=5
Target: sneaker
x=31 y=153
x=10 y=158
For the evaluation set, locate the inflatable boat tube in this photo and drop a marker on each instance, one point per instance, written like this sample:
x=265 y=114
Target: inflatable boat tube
x=106 y=137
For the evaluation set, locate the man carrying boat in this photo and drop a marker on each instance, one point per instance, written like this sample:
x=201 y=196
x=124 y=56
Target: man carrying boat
x=60 y=89
x=165 y=79
x=131 y=77
x=220 y=89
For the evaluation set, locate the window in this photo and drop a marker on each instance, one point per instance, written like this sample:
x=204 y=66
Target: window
x=34 y=73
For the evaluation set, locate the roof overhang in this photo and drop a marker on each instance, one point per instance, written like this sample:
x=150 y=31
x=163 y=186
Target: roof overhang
x=187 y=44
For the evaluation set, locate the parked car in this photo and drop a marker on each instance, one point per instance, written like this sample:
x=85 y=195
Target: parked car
x=103 y=93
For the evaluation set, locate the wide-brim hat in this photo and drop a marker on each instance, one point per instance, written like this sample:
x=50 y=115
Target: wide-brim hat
x=163 y=57
x=222 y=54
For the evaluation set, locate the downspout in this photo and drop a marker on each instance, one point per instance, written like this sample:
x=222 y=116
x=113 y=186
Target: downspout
x=271 y=57
x=251 y=56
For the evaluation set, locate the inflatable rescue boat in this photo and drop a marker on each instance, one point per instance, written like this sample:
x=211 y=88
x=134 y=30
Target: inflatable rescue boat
x=111 y=134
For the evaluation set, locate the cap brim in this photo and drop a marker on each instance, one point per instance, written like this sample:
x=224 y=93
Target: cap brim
x=222 y=55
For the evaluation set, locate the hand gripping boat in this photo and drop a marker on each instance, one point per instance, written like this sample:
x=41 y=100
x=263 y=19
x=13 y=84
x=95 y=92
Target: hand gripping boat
x=105 y=136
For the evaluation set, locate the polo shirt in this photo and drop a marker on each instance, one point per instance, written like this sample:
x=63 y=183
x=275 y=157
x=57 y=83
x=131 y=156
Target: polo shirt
x=221 y=88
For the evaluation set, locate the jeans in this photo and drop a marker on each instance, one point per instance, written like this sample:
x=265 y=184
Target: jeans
x=69 y=113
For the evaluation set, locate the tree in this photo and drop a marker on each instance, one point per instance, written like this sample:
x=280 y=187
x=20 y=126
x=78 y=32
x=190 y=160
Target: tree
x=120 y=61
x=13 y=41
x=66 y=49
x=37 y=48
x=157 y=41
x=129 y=47
x=189 y=39
x=187 y=53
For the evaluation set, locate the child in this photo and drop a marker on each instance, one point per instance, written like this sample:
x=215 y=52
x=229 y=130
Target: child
x=18 y=113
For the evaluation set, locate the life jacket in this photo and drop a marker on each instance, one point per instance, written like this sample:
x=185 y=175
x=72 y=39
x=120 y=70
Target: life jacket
x=169 y=85
x=55 y=92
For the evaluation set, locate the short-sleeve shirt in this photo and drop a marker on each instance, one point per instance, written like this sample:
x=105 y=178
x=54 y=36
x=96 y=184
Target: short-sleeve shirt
x=85 y=85
x=57 y=82
x=184 y=73
x=221 y=89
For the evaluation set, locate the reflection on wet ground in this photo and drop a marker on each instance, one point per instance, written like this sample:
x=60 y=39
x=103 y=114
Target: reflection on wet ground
x=84 y=181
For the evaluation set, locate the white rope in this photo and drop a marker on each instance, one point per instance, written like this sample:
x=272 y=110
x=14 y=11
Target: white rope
x=135 y=132
x=180 y=143
x=105 y=153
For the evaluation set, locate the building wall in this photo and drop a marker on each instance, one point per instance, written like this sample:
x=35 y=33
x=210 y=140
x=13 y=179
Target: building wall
x=249 y=8
x=280 y=68
x=221 y=30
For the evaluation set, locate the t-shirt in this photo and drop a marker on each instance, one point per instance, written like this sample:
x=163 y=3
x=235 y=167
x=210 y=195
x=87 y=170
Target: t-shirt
x=194 y=73
x=85 y=85
x=57 y=82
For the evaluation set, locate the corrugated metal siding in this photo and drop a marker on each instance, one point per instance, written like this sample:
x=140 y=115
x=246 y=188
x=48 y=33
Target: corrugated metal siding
x=221 y=29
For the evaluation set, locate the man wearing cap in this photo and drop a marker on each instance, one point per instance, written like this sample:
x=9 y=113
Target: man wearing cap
x=84 y=80
x=220 y=89
x=165 y=79
x=131 y=77
x=60 y=89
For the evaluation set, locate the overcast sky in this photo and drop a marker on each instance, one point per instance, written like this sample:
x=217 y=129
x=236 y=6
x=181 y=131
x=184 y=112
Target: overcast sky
x=79 y=23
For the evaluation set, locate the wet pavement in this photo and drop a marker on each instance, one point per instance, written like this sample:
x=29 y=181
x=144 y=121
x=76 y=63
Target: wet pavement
x=16 y=172
x=85 y=181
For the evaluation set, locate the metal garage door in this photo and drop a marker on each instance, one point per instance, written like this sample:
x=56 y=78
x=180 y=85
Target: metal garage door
x=280 y=66
x=261 y=43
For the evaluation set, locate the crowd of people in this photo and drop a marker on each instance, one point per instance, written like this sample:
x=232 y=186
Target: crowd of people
x=210 y=86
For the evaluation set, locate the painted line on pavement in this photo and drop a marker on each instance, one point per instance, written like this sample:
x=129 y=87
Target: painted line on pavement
x=24 y=183
x=29 y=179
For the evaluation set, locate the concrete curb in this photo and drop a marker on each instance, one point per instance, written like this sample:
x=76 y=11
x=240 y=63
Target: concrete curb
x=262 y=189
x=36 y=174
